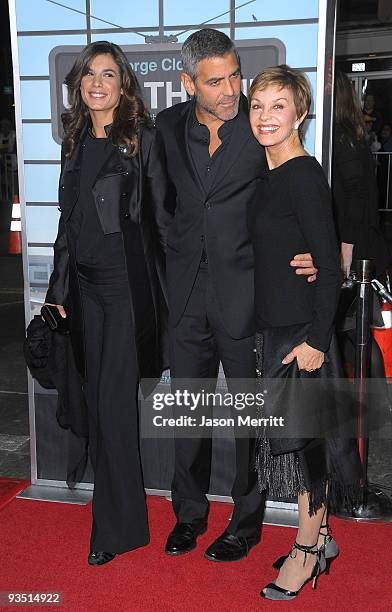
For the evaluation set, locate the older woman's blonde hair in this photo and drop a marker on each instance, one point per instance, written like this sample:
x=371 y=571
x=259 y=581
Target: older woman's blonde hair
x=290 y=78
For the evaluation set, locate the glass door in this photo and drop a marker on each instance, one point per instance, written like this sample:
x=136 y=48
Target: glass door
x=374 y=92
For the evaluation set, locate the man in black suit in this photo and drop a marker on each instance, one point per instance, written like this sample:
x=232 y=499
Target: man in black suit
x=214 y=163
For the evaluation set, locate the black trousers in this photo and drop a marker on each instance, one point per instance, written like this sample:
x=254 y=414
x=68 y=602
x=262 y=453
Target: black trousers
x=198 y=343
x=119 y=506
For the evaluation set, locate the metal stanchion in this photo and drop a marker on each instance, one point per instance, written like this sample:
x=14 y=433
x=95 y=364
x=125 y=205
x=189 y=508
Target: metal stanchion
x=362 y=354
x=376 y=504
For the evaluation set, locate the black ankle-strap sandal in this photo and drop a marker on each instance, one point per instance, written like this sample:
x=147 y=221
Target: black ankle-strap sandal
x=273 y=591
x=308 y=550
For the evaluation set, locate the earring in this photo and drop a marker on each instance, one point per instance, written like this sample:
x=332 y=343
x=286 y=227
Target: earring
x=295 y=126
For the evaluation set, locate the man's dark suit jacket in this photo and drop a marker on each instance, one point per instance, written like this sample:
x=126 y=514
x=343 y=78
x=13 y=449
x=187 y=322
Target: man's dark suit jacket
x=216 y=221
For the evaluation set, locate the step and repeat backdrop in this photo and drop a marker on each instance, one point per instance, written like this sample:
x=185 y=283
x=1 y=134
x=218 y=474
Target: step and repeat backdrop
x=47 y=36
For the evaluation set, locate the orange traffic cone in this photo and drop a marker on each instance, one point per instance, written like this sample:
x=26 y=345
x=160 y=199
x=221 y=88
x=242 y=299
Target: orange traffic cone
x=383 y=337
x=15 y=237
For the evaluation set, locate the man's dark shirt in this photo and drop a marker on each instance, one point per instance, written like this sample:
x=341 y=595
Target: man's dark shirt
x=199 y=141
x=206 y=166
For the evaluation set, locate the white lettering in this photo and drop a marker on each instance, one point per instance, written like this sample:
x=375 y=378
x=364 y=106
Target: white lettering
x=171 y=63
x=65 y=95
x=170 y=94
x=144 y=67
x=207 y=422
x=245 y=85
x=154 y=92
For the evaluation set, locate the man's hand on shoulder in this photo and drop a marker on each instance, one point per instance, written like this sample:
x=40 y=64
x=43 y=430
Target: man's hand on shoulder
x=303 y=263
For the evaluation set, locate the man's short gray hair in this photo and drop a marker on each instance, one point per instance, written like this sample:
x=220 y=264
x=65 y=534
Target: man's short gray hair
x=204 y=44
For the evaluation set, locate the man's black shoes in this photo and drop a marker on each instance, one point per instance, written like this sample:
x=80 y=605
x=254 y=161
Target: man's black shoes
x=183 y=538
x=100 y=558
x=226 y=548
x=229 y=547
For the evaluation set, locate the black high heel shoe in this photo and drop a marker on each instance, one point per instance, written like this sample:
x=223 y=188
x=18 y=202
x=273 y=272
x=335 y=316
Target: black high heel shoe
x=275 y=592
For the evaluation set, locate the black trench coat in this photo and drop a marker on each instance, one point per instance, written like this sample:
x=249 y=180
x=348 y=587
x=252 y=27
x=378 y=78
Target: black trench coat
x=141 y=186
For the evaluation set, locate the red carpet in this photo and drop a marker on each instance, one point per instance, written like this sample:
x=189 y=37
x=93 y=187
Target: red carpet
x=44 y=547
x=9 y=488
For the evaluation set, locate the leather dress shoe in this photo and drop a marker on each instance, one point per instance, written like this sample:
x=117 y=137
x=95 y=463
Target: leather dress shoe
x=100 y=558
x=183 y=538
x=229 y=547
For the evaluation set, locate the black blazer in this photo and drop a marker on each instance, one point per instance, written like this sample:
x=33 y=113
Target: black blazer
x=215 y=220
x=140 y=185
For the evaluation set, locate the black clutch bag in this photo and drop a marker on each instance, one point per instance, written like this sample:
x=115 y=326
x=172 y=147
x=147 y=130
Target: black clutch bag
x=54 y=319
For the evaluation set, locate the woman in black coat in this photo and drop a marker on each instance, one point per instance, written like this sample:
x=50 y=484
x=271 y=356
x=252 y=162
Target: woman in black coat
x=107 y=278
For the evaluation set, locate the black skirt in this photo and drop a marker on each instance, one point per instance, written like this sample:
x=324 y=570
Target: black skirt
x=327 y=467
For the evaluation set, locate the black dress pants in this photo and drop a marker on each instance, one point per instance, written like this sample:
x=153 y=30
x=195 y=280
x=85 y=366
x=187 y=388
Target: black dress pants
x=119 y=506
x=198 y=343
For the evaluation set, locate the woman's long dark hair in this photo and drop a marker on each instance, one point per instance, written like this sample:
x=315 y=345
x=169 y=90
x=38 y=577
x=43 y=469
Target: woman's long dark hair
x=130 y=114
x=348 y=114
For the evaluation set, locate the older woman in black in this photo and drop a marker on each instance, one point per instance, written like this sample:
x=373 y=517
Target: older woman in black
x=106 y=279
x=294 y=318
